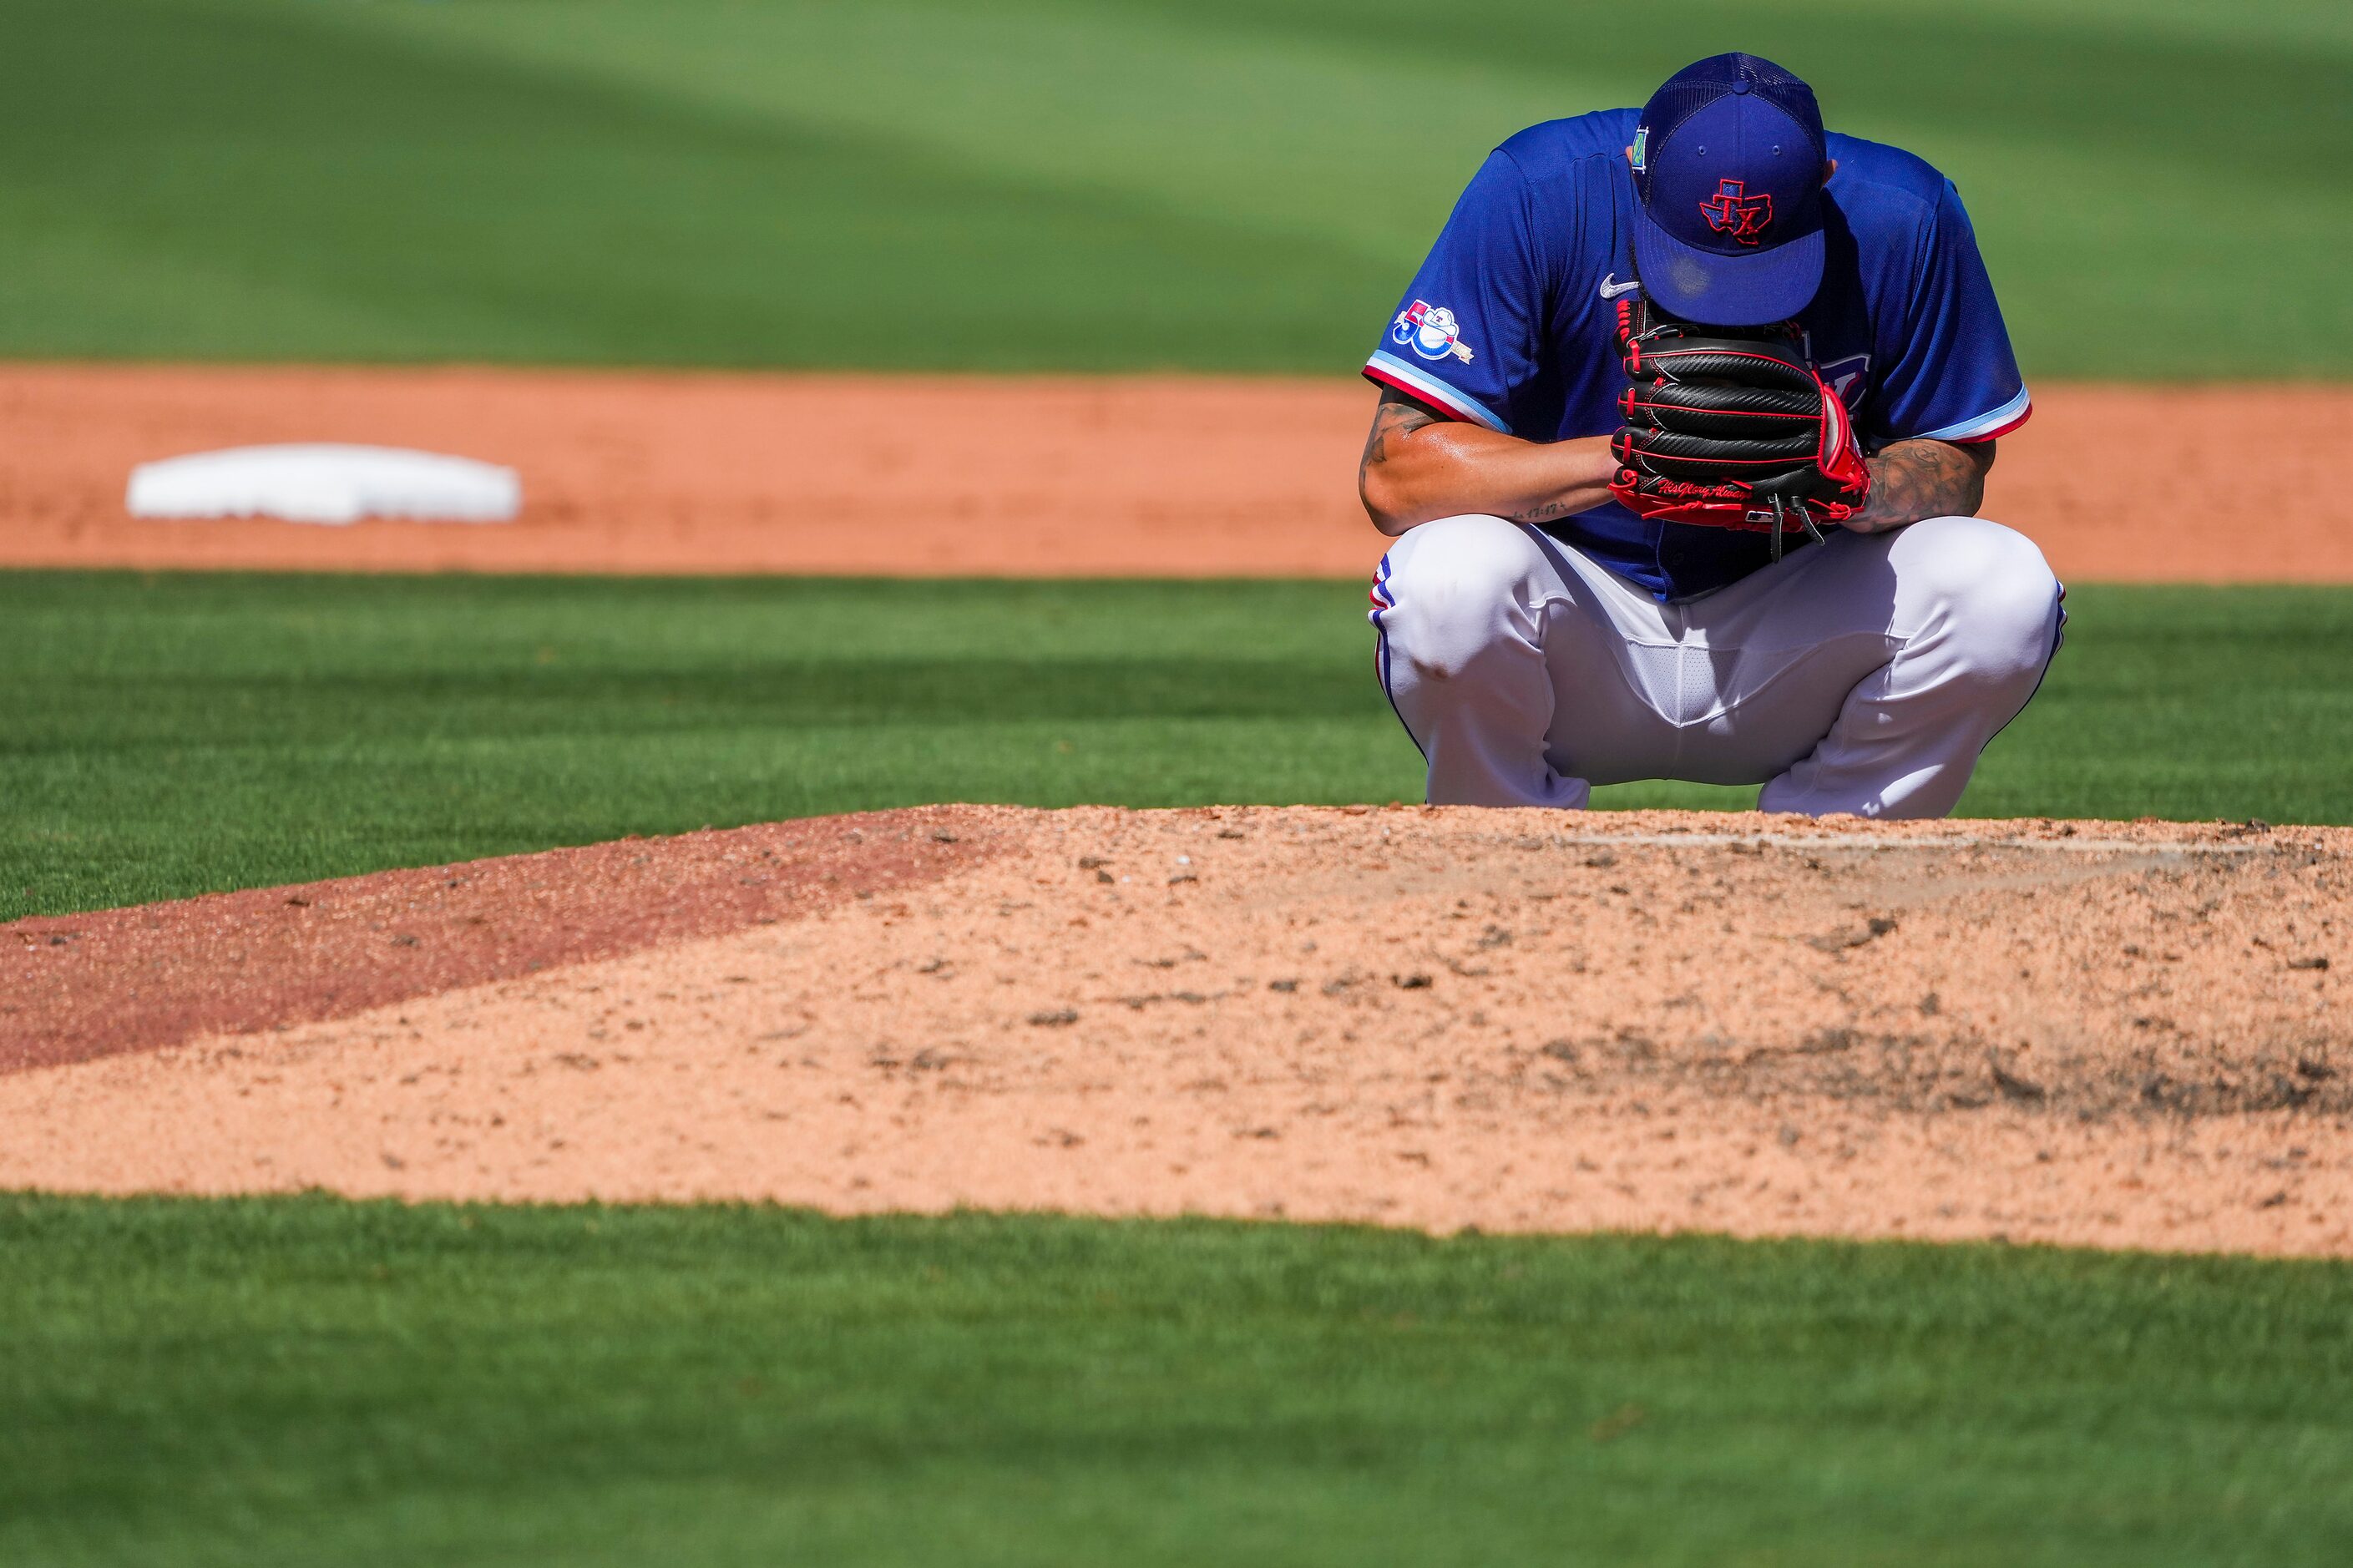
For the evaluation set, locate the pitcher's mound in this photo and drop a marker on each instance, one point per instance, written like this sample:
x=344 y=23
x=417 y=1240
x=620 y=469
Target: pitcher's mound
x=2087 y=1032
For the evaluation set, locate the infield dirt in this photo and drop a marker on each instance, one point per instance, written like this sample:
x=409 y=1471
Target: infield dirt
x=918 y=476
x=2118 y=1034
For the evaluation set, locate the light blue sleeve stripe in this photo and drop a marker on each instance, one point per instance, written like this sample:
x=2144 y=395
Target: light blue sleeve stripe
x=1428 y=385
x=1981 y=424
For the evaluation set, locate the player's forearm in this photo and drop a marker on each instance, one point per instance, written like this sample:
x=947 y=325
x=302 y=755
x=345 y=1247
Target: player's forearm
x=1911 y=480
x=1419 y=466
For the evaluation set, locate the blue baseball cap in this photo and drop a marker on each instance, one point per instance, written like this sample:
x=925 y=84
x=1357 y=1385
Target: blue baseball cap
x=1728 y=166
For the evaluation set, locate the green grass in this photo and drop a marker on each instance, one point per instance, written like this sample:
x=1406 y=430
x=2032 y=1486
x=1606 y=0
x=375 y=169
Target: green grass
x=304 y=1381
x=167 y=735
x=162 y=735
x=1076 y=183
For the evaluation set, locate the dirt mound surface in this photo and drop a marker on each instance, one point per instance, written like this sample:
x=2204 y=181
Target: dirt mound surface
x=134 y=979
x=1065 y=476
x=2122 y=1035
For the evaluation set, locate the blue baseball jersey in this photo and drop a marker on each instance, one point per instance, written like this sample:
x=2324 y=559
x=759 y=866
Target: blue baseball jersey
x=1511 y=320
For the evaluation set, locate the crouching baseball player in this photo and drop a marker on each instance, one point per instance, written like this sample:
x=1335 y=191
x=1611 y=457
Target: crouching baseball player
x=1683 y=430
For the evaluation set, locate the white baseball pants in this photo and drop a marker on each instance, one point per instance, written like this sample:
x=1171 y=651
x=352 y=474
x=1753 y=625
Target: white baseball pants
x=1863 y=675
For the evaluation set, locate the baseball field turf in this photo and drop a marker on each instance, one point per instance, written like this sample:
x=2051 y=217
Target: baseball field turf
x=1089 y=185
x=176 y=734
x=1079 y=183
x=302 y=1381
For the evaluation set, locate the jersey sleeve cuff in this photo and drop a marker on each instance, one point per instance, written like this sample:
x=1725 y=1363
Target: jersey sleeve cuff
x=1390 y=370
x=1996 y=422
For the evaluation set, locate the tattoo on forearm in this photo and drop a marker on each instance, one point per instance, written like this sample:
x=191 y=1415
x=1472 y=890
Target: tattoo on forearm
x=1913 y=479
x=1397 y=417
x=1543 y=514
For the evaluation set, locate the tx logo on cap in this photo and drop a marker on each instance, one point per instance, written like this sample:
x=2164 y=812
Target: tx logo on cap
x=1735 y=212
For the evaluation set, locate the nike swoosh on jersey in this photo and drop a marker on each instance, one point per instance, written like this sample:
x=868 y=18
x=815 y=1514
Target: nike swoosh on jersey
x=1611 y=287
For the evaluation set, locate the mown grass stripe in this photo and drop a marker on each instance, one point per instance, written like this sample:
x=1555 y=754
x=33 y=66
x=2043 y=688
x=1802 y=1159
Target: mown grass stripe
x=1072 y=184
x=298 y=1380
x=167 y=735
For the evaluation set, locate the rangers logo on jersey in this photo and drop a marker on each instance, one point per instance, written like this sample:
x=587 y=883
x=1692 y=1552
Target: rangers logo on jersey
x=1845 y=378
x=1431 y=332
x=1733 y=211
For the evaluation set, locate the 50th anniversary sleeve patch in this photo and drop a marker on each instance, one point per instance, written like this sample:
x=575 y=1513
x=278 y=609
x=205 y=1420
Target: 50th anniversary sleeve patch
x=1430 y=330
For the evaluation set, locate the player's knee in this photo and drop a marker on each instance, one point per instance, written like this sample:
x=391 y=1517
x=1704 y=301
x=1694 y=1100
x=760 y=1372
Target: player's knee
x=1449 y=587
x=1990 y=585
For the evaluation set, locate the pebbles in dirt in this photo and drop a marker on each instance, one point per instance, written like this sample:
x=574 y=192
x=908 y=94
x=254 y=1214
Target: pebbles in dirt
x=2118 y=1034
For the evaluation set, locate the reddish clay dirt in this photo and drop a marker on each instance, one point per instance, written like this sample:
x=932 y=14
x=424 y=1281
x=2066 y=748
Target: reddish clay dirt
x=2063 y=1032
x=79 y=986
x=2084 y=1033
x=1153 y=476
